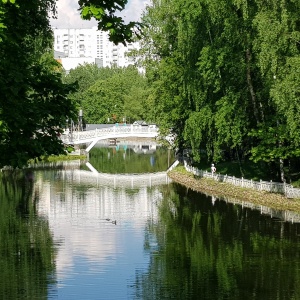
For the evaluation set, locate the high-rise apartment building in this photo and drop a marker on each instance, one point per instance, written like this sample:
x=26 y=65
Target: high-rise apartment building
x=80 y=45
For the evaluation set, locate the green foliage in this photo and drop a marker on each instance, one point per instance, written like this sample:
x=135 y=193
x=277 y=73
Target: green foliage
x=203 y=121
x=111 y=94
x=222 y=74
x=105 y=13
x=286 y=95
x=274 y=144
x=33 y=103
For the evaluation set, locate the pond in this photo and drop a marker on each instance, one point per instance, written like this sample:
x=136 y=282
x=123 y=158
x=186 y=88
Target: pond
x=78 y=230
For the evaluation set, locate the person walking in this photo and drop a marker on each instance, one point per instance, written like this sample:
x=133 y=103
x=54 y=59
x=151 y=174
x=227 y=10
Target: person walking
x=213 y=168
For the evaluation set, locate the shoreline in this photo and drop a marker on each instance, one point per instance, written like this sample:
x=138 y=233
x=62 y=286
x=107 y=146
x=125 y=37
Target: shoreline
x=220 y=189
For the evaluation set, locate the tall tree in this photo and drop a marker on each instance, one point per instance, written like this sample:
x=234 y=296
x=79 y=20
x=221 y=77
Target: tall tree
x=277 y=44
x=33 y=103
x=113 y=95
x=223 y=73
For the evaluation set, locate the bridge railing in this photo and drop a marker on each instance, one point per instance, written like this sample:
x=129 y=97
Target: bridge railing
x=81 y=136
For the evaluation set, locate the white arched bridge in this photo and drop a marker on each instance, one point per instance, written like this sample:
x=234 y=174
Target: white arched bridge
x=93 y=136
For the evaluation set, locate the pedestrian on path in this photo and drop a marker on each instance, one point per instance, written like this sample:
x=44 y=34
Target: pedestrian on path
x=213 y=168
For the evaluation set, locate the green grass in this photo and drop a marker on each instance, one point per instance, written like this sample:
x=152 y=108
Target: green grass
x=54 y=158
x=296 y=183
x=63 y=157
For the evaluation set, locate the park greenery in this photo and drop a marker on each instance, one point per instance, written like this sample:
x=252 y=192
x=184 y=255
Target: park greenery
x=110 y=95
x=222 y=76
x=34 y=103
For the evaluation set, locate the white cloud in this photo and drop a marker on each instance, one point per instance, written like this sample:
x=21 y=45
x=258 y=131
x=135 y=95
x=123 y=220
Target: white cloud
x=134 y=9
x=69 y=17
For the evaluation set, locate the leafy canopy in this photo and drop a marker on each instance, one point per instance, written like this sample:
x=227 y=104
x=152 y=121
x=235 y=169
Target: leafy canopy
x=35 y=102
x=105 y=13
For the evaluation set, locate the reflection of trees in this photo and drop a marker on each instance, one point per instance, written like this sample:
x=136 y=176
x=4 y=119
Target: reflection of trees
x=203 y=251
x=133 y=162
x=26 y=248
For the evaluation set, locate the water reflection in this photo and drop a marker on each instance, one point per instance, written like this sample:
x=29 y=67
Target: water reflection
x=219 y=251
x=100 y=230
x=26 y=248
x=70 y=233
x=168 y=243
x=145 y=156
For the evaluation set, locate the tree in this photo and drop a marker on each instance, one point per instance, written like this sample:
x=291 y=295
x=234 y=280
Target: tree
x=111 y=95
x=277 y=46
x=104 y=13
x=197 y=75
x=224 y=76
x=34 y=102
x=100 y=10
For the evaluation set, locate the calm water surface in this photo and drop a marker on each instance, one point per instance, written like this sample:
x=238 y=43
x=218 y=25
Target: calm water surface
x=69 y=232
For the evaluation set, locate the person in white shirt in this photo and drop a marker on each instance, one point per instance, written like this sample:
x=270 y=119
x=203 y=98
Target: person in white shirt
x=213 y=168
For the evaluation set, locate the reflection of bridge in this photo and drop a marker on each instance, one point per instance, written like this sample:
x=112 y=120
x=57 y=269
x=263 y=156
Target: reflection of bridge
x=72 y=172
x=118 y=180
x=93 y=136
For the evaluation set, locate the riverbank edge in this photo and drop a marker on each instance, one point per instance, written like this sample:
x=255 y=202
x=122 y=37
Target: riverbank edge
x=223 y=190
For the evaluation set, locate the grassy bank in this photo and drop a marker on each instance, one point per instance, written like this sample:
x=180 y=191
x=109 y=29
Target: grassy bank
x=54 y=158
x=220 y=189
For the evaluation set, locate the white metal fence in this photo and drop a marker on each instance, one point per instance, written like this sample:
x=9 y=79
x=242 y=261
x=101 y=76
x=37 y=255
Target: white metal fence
x=274 y=187
x=173 y=166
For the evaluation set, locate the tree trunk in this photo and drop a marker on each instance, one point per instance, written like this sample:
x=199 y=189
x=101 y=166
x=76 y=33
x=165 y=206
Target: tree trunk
x=282 y=177
x=251 y=88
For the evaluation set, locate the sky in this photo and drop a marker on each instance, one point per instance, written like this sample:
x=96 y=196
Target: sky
x=68 y=15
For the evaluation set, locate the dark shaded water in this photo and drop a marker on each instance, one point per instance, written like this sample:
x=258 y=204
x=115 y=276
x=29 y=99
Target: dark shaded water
x=67 y=233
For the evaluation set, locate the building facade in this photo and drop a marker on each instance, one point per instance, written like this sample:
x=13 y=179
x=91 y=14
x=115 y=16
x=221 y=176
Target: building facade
x=82 y=45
